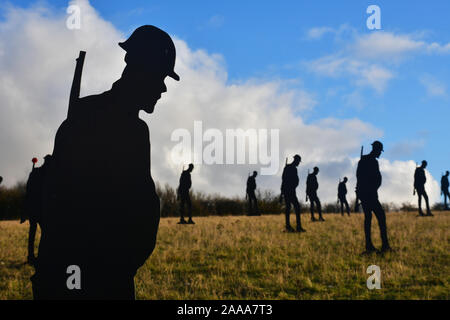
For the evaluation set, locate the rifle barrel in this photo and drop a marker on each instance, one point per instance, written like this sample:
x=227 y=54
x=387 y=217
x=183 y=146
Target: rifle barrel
x=76 y=83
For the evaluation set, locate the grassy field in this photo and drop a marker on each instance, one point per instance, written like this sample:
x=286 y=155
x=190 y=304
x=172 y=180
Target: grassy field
x=251 y=258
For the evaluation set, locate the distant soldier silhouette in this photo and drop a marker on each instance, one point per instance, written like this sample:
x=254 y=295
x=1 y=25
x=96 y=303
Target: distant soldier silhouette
x=311 y=191
x=419 y=187
x=289 y=183
x=183 y=194
x=444 y=189
x=342 y=196
x=252 y=201
x=368 y=181
x=101 y=211
x=33 y=203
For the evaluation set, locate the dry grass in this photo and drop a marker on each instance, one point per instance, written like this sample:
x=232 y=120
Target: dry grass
x=251 y=258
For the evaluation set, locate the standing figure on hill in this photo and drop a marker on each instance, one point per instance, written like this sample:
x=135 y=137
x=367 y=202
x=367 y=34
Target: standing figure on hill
x=183 y=194
x=311 y=192
x=368 y=181
x=444 y=189
x=289 y=183
x=342 y=196
x=252 y=201
x=419 y=186
x=100 y=208
x=33 y=204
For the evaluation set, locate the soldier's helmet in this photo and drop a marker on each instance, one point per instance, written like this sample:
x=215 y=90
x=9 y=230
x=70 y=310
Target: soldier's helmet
x=447 y=173
x=297 y=157
x=345 y=179
x=377 y=145
x=255 y=173
x=48 y=157
x=191 y=166
x=424 y=163
x=1 y=178
x=316 y=169
x=151 y=46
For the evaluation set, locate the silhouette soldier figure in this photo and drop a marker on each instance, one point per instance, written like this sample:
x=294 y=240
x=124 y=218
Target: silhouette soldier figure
x=342 y=196
x=311 y=191
x=419 y=186
x=183 y=194
x=33 y=203
x=444 y=189
x=101 y=211
x=252 y=201
x=368 y=181
x=289 y=183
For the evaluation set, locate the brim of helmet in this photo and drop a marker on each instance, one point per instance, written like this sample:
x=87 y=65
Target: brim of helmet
x=173 y=75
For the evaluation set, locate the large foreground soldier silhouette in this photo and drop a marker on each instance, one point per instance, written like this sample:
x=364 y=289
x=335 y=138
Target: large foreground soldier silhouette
x=311 y=192
x=33 y=203
x=342 y=196
x=444 y=189
x=252 y=201
x=289 y=183
x=101 y=211
x=419 y=187
x=183 y=194
x=368 y=181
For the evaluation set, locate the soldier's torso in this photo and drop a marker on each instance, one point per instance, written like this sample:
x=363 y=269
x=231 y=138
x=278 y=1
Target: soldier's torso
x=311 y=184
x=342 y=189
x=99 y=197
x=251 y=184
x=368 y=175
x=290 y=177
x=419 y=177
x=444 y=182
x=185 y=181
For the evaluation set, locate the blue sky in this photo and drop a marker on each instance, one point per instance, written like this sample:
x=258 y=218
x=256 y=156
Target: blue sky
x=273 y=40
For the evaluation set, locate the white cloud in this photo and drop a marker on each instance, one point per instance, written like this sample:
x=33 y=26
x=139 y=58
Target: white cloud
x=434 y=87
x=362 y=73
x=406 y=148
x=386 y=45
x=216 y=21
x=317 y=33
x=36 y=69
x=369 y=60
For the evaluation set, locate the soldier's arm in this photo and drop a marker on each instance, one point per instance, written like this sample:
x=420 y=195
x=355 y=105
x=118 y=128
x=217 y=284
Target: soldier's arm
x=378 y=174
x=147 y=221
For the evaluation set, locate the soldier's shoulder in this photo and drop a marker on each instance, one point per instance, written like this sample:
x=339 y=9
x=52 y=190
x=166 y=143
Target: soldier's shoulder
x=91 y=104
x=101 y=100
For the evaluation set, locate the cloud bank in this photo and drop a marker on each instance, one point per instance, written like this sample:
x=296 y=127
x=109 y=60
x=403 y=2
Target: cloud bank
x=37 y=55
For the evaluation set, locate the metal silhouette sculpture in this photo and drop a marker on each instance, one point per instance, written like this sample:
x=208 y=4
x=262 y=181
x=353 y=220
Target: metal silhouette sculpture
x=419 y=187
x=444 y=189
x=100 y=208
x=33 y=203
x=289 y=183
x=311 y=193
x=368 y=181
x=251 y=196
x=342 y=196
x=183 y=194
